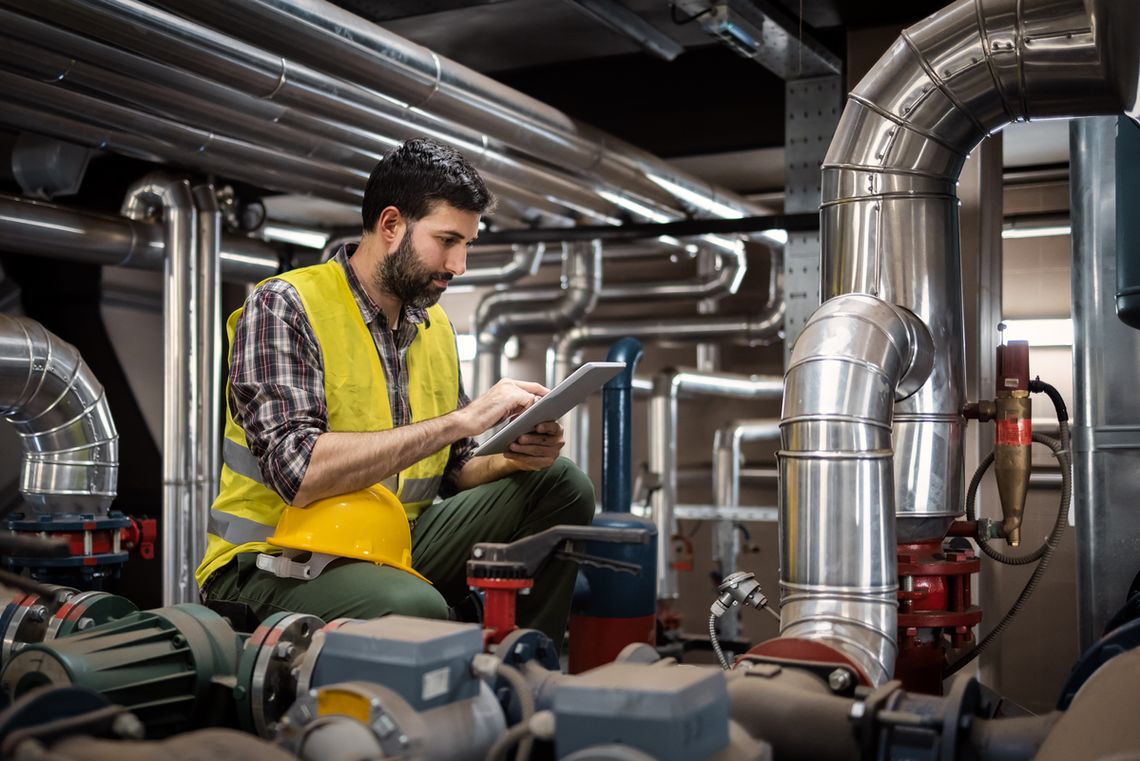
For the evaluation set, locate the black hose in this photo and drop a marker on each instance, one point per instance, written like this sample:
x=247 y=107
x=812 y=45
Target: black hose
x=1038 y=386
x=1061 y=452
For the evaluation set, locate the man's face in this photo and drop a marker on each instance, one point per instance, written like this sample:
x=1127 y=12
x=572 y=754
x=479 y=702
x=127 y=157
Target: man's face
x=431 y=252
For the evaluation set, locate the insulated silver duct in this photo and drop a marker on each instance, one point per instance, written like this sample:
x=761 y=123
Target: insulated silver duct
x=889 y=227
x=37 y=228
x=48 y=393
x=583 y=278
x=856 y=357
x=365 y=52
x=181 y=398
x=668 y=386
x=889 y=219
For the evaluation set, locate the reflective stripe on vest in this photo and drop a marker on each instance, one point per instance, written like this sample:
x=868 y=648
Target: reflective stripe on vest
x=356 y=398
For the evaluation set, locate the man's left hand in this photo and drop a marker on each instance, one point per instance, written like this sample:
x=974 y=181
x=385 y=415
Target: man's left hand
x=538 y=449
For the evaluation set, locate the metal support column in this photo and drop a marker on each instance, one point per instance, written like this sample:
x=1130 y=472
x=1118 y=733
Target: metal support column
x=811 y=111
x=1106 y=418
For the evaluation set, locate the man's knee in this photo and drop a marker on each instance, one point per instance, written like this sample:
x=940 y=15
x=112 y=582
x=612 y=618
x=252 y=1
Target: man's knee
x=370 y=591
x=578 y=491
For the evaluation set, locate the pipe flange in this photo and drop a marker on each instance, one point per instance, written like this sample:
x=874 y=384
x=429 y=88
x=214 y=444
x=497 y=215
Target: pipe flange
x=304 y=675
x=86 y=610
x=25 y=621
x=357 y=719
x=269 y=669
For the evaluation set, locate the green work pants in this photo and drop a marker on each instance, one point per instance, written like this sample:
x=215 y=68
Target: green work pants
x=501 y=511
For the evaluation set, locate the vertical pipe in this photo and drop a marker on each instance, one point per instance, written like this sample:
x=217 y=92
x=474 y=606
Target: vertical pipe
x=209 y=365
x=617 y=429
x=727 y=462
x=667 y=386
x=179 y=399
x=1106 y=418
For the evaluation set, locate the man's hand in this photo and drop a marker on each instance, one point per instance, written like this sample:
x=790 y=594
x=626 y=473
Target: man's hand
x=504 y=400
x=538 y=449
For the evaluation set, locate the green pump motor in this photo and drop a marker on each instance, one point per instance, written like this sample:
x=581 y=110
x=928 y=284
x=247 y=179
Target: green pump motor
x=172 y=667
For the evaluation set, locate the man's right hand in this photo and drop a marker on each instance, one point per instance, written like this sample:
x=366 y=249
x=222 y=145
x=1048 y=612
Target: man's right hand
x=504 y=400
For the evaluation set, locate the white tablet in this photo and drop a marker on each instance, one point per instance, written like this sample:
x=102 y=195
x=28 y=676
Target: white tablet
x=562 y=398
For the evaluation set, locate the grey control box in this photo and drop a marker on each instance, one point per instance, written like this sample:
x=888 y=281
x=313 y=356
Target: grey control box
x=427 y=662
x=673 y=713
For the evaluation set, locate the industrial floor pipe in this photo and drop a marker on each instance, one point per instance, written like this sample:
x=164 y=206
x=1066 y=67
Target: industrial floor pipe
x=180 y=400
x=727 y=462
x=209 y=365
x=855 y=358
x=583 y=278
x=38 y=228
x=668 y=386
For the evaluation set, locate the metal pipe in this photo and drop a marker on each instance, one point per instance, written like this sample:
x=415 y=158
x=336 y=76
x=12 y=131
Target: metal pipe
x=525 y=260
x=726 y=467
x=562 y=356
x=668 y=385
x=372 y=122
x=583 y=277
x=856 y=357
x=43 y=229
x=617 y=431
x=209 y=366
x=307 y=29
x=180 y=435
x=889 y=216
x=48 y=393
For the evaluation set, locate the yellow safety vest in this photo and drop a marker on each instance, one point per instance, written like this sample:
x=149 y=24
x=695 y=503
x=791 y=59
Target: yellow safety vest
x=246 y=511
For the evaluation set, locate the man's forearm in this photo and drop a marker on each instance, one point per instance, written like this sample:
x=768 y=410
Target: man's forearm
x=482 y=470
x=345 y=462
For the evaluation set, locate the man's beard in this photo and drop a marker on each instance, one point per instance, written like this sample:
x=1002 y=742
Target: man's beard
x=403 y=275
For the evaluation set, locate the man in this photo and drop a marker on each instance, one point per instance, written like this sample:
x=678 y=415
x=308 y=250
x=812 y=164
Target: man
x=345 y=375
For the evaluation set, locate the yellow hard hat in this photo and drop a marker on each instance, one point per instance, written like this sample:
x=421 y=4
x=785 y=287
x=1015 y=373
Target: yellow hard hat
x=369 y=524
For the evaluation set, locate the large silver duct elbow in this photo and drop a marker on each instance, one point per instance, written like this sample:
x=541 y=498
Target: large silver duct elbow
x=48 y=393
x=889 y=217
x=856 y=357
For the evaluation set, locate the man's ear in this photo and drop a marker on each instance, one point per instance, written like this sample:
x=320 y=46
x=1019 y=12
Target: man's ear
x=390 y=225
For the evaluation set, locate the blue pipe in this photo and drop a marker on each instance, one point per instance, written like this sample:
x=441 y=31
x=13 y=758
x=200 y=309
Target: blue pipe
x=617 y=429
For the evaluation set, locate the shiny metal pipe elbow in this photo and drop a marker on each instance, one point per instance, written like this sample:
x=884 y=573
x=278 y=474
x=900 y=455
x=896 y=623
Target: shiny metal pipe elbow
x=49 y=394
x=856 y=357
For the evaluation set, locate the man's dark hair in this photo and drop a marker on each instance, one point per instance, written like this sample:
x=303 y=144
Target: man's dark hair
x=416 y=175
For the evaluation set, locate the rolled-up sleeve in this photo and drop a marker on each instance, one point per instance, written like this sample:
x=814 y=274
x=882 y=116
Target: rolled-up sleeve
x=276 y=385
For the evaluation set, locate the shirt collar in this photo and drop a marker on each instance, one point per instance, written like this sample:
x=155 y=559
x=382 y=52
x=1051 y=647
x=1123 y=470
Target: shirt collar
x=369 y=309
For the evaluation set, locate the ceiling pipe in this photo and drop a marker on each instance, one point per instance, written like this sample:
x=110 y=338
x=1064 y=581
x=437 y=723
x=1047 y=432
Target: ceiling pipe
x=181 y=394
x=889 y=227
x=37 y=228
x=307 y=99
x=79 y=118
x=583 y=278
x=668 y=386
x=307 y=29
x=727 y=461
x=70 y=462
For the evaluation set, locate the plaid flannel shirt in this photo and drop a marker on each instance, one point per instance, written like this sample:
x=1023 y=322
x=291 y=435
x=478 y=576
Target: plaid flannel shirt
x=276 y=379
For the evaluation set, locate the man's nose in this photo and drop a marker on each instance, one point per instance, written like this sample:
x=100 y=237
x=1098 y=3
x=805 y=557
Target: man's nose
x=456 y=262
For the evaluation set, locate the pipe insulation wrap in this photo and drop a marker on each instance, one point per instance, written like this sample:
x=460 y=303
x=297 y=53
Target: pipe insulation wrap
x=49 y=394
x=889 y=218
x=857 y=356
